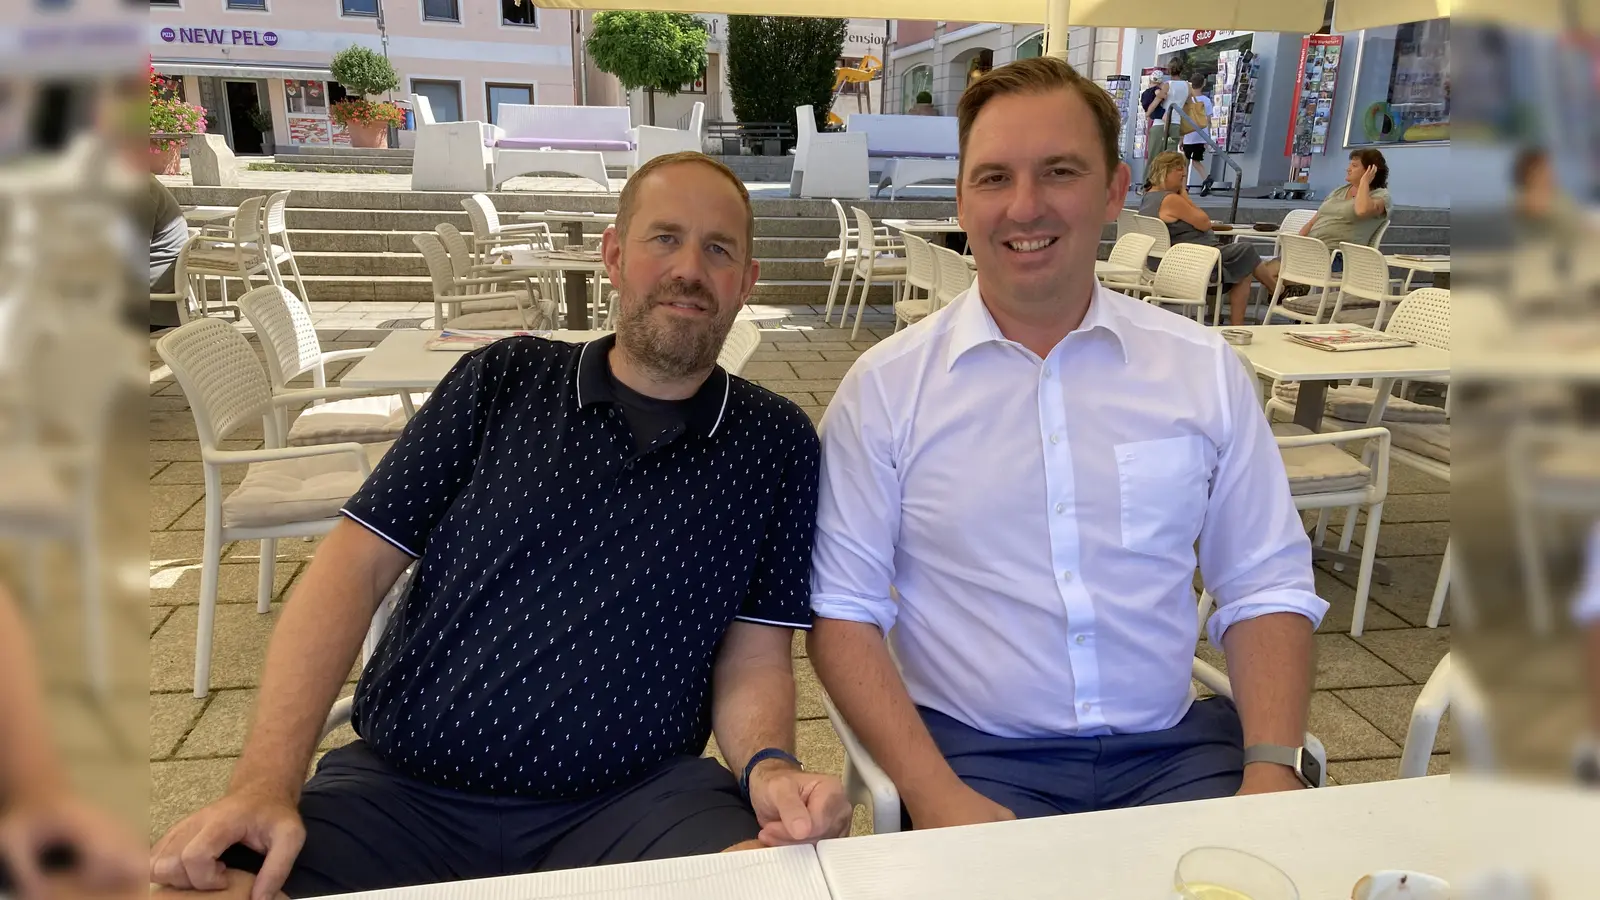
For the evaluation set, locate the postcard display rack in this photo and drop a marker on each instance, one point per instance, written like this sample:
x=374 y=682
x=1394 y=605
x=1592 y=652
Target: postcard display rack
x=1312 y=116
x=1120 y=87
x=1234 y=100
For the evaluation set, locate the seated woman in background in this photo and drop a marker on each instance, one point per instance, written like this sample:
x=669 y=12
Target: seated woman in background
x=1167 y=198
x=1353 y=212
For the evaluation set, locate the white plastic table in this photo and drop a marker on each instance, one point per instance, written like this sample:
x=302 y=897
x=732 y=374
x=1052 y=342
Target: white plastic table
x=403 y=361
x=926 y=226
x=1438 y=268
x=1324 y=839
x=577 y=280
x=779 y=873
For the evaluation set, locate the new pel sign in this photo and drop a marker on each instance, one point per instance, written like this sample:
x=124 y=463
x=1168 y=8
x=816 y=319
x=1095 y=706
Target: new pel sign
x=241 y=36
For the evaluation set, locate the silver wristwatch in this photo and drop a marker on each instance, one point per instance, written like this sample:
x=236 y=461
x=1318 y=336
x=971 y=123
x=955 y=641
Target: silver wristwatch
x=1298 y=759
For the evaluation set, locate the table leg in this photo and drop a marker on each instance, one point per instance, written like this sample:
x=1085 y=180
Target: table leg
x=1308 y=407
x=577 y=288
x=1441 y=280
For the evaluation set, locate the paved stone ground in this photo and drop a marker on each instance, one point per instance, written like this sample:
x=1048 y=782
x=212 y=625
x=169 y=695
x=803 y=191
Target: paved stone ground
x=1365 y=686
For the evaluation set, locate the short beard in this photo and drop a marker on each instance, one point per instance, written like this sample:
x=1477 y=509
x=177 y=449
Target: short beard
x=674 y=348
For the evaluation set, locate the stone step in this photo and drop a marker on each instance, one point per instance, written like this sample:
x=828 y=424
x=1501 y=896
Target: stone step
x=417 y=289
x=383 y=220
x=350 y=153
x=369 y=265
x=343 y=166
x=341 y=241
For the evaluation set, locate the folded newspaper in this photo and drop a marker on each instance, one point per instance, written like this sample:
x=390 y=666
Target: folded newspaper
x=471 y=340
x=1339 y=340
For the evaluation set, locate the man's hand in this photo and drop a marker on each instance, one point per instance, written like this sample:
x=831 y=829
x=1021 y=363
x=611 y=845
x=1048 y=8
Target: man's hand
x=107 y=856
x=961 y=806
x=1268 y=778
x=796 y=807
x=188 y=856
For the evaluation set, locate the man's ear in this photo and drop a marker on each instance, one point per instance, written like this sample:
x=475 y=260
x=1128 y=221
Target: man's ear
x=611 y=253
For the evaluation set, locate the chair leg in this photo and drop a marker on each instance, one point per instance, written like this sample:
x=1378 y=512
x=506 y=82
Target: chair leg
x=1348 y=530
x=833 y=288
x=1440 y=589
x=1322 y=527
x=269 y=563
x=849 y=291
x=294 y=267
x=861 y=307
x=1369 y=554
x=210 y=566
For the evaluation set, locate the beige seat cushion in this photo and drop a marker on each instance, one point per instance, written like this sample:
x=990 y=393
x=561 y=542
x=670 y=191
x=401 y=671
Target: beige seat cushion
x=295 y=490
x=222 y=257
x=888 y=265
x=1430 y=440
x=1353 y=403
x=365 y=420
x=1307 y=306
x=492 y=305
x=498 y=320
x=914 y=310
x=1322 y=469
x=1352 y=315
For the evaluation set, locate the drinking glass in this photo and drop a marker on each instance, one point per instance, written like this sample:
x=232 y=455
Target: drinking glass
x=1220 y=873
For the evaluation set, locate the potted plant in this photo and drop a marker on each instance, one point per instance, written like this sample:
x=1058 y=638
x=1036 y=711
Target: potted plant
x=924 y=105
x=261 y=120
x=172 y=122
x=363 y=73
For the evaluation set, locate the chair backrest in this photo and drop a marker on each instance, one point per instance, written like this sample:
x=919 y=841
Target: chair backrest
x=740 y=345
x=221 y=377
x=1305 y=260
x=1131 y=250
x=866 y=240
x=1377 y=236
x=1125 y=223
x=1366 y=272
x=437 y=257
x=805 y=125
x=1294 y=220
x=844 y=224
x=1156 y=230
x=284 y=326
x=1185 y=272
x=1423 y=316
x=424 y=110
x=901 y=135
x=549 y=120
x=455 y=243
x=275 y=215
x=697 y=117
x=480 y=210
x=955 y=275
x=1250 y=369
x=247 y=221
x=921 y=269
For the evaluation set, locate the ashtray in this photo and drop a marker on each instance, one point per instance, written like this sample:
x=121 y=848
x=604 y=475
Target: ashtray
x=1221 y=226
x=1264 y=226
x=1236 y=336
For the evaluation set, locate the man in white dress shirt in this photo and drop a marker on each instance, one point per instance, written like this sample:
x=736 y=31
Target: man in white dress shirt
x=1017 y=487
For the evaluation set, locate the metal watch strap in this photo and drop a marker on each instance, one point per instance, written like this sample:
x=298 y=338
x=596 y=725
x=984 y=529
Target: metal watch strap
x=760 y=757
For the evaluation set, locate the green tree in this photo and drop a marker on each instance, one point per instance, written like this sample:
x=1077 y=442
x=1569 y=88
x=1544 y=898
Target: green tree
x=651 y=50
x=776 y=63
x=363 y=72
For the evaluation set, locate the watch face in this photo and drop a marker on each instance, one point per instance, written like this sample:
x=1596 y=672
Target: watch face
x=1310 y=769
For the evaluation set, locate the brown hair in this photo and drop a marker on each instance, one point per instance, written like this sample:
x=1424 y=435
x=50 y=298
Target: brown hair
x=630 y=192
x=1041 y=75
x=1371 y=157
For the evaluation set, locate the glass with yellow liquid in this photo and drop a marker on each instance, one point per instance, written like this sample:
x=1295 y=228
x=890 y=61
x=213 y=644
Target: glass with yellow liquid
x=1218 y=873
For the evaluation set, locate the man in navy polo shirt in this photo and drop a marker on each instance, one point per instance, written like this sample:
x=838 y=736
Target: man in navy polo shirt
x=613 y=546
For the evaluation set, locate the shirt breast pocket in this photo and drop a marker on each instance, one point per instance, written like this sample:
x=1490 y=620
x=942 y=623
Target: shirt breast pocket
x=1164 y=485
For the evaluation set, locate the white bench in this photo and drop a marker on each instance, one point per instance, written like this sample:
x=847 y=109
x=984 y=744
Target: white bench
x=573 y=140
x=827 y=164
x=914 y=149
x=450 y=156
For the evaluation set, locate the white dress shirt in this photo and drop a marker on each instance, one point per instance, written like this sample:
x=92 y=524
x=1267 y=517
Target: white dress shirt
x=1038 y=519
x=1586 y=606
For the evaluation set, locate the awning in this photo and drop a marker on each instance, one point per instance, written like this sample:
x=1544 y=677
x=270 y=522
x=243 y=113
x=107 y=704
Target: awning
x=241 y=70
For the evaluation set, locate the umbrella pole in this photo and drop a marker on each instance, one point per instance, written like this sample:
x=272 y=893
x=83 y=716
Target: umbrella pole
x=1056 y=32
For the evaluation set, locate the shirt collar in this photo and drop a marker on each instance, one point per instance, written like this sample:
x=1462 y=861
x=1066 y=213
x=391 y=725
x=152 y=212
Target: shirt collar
x=974 y=325
x=703 y=412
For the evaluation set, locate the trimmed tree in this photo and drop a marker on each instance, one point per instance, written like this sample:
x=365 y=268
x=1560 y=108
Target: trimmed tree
x=777 y=63
x=651 y=50
x=363 y=74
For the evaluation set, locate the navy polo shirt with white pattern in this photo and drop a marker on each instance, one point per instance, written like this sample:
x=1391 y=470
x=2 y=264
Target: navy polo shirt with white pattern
x=558 y=637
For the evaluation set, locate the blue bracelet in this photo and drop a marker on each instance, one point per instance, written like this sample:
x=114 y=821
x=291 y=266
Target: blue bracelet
x=762 y=756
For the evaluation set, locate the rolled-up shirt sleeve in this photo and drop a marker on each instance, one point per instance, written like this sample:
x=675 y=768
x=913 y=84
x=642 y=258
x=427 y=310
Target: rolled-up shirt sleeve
x=1255 y=557
x=858 y=507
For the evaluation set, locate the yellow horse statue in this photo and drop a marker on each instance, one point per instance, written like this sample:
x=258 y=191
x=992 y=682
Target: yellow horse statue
x=871 y=67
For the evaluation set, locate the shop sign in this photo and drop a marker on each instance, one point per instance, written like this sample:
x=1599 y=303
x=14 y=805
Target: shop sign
x=242 y=37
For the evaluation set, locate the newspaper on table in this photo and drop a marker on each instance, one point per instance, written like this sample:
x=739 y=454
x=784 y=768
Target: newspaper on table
x=1340 y=340
x=472 y=340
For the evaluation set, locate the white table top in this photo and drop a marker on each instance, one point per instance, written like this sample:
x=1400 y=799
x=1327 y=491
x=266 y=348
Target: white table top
x=402 y=360
x=1277 y=357
x=540 y=260
x=558 y=215
x=779 y=873
x=197 y=215
x=1324 y=839
x=1436 y=266
x=925 y=226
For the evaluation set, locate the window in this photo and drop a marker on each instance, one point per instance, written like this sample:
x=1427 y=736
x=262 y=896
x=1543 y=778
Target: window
x=504 y=93
x=1402 y=89
x=168 y=3
x=306 y=97
x=916 y=80
x=518 y=12
x=444 y=97
x=1032 y=48
x=248 y=4
x=359 y=8
x=441 y=11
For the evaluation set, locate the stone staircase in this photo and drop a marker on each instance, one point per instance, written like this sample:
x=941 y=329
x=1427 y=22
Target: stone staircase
x=347 y=159
x=355 y=246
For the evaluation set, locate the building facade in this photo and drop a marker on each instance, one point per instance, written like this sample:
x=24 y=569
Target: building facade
x=466 y=56
x=940 y=58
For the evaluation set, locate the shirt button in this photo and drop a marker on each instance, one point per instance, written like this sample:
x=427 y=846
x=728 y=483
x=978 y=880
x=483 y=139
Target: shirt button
x=1086 y=706
x=1065 y=575
x=1061 y=507
x=1081 y=638
x=1055 y=438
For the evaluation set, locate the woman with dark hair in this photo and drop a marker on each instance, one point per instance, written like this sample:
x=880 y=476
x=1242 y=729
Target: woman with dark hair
x=1353 y=212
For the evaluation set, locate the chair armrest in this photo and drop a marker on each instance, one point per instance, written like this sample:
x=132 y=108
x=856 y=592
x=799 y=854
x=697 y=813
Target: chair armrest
x=339 y=355
x=291 y=396
x=1379 y=435
x=273 y=454
x=1212 y=677
x=885 y=797
x=525 y=227
x=1425 y=716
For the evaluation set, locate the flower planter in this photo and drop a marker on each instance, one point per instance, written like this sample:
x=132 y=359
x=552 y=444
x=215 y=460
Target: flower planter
x=368 y=135
x=166 y=156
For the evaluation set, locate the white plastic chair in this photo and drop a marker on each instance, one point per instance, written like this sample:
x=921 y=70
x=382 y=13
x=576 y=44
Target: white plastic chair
x=828 y=164
x=955 y=275
x=544 y=287
x=866 y=783
x=1184 y=278
x=1125 y=223
x=275 y=228
x=343 y=708
x=184 y=295
x=844 y=257
x=652 y=141
x=1293 y=221
x=1129 y=256
x=1363 y=297
x=1451 y=688
x=1306 y=261
x=1554 y=475
x=489 y=236
x=233 y=251
x=450 y=292
x=741 y=343
x=922 y=273
x=286 y=491
x=1160 y=241
x=871 y=268
x=289 y=342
